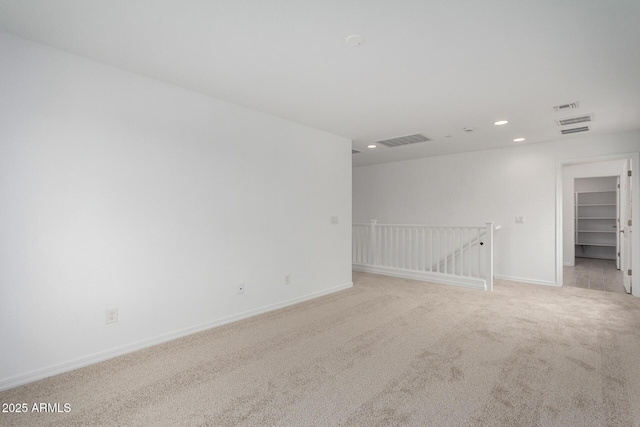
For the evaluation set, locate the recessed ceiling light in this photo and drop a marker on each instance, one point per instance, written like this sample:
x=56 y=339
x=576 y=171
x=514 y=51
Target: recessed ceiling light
x=469 y=129
x=354 y=40
x=518 y=140
x=501 y=122
x=372 y=146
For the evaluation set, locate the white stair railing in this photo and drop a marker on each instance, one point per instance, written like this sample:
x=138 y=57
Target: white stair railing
x=457 y=255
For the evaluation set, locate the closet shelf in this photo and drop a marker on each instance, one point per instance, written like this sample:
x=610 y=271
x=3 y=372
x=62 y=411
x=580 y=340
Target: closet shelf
x=595 y=224
x=592 y=192
x=596 y=217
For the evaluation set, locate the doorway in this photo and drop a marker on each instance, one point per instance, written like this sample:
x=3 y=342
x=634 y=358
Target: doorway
x=596 y=208
x=596 y=213
x=596 y=264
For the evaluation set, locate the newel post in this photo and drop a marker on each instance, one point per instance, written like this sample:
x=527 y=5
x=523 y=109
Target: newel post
x=489 y=257
x=372 y=242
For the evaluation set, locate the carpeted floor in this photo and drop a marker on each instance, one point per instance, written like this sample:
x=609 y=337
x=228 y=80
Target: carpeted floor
x=386 y=352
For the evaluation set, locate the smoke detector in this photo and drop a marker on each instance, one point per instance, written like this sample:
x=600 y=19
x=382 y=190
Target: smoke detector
x=354 y=40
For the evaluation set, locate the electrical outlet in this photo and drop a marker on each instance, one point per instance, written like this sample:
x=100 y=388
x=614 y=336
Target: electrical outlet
x=287 y=279
x=335 y=220
x=519 y=220
x=241 y=289
x=111 y=315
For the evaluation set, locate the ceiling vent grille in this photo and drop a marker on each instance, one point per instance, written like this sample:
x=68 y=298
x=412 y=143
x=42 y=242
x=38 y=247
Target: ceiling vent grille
x=403 y=140
x=575 y=130
x=565 y=107
x=575 y=120
x=355 y=151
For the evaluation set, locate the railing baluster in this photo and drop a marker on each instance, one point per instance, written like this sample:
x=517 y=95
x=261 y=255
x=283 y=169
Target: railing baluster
x=383 y=239
x=471 y=248
x=390 y=247
x=354 y=242
x=479 y=253
x=438 y=258
x=424 y=249
x=357 y=233
x=462 y=251
x=410 y=249
x=399 y=243
x=406 y=234
x=415 y=250
x=451 y=250
x=418 y=246
x=446 y=250
x=365 y=246
x=378 y=245
x=396 y=247
x=400 y=248
x=407 y=246
x=436 y=250
x=404 y=249
x=431 y=249
x=459 y=251
x=387 y=252
x=361 y=246
x=394 y=250
x=424 y=234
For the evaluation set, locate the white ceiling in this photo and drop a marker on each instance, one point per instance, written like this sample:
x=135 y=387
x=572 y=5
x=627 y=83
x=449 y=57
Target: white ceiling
x=430 y=67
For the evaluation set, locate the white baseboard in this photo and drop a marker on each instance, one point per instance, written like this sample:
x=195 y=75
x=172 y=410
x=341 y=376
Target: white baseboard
x=81 y=362
x=445 y=279
x=524 y=280
x=568 y=264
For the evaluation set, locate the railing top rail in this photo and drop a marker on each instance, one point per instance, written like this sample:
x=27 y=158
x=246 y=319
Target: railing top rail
x=422 y=225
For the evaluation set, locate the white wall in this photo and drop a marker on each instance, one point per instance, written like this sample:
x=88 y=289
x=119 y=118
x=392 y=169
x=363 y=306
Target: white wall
x=121 y=191
x=492 y=185
x=569 y=175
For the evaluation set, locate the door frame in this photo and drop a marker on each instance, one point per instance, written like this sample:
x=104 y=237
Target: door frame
x=635 y=217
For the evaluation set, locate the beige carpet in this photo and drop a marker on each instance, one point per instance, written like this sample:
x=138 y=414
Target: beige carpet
x=387 y=352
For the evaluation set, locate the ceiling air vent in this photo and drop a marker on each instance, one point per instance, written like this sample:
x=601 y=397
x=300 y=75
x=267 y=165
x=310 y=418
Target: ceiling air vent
x=403 y=140
x=575 y=120
x=355 y=151
x=565 y=107
x=574 y=130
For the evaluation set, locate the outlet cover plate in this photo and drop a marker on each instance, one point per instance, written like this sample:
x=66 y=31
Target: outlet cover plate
x=111 y=315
